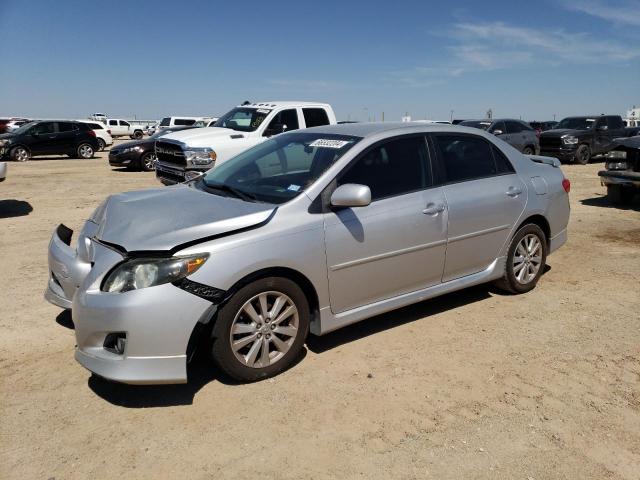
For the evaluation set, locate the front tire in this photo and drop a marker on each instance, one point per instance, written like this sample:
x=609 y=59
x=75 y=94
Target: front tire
x=148 y=162
x=582 y=155
x=526 y=260
x=84 y=151
x=20 y=154
x=260 y=332
x=620 y=195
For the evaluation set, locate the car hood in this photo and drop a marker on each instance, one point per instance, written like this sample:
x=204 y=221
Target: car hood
x=7 y=136
x=145 y=144
x=205 y=137
x=165 y=218
x=562 y=131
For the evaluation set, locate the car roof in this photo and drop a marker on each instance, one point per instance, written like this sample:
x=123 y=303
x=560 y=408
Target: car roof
x=277 y=104
x=373 y=128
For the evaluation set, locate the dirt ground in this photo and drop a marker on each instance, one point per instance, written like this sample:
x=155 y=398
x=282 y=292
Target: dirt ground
x=475 y=384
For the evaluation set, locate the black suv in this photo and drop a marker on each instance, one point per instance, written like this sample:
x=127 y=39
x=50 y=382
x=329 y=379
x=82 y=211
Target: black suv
x=577 y=139
x=47 y=137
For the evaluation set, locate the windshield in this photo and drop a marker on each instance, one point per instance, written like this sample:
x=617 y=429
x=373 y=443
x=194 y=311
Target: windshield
x=279 y=169
x=483 y=125
x=165 y=122
x=24 y=128
x=243 y=119
x=576 y=123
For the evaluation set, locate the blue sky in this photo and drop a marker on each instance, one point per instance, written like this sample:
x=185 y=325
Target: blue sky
x=156 y=58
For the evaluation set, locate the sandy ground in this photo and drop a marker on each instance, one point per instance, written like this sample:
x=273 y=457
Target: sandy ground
x=471 y=385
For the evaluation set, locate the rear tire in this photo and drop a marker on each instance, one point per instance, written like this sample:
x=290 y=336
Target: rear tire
x=620 y=195
x=582 y=155
x=261 y=330
x=20 y=154
x=526 y=260
x=138 y=134
x=101 y=145
x=84 y=151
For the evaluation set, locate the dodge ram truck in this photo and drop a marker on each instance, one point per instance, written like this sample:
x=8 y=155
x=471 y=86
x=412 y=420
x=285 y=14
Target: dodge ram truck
x=185 y=155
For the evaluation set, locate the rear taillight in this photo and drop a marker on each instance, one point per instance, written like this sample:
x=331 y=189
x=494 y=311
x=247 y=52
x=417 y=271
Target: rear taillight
x=92 y=133
x=109 y=132
x=566 y=184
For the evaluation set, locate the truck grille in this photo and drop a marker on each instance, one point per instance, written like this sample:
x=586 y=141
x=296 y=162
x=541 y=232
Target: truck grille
x=550 y=142
x=170 y=153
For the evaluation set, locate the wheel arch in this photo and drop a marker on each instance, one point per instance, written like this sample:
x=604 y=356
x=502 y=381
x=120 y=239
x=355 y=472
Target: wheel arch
x=540 y=221
x=26 y=147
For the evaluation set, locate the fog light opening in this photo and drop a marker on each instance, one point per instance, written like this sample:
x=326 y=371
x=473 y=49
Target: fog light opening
x=115 y=342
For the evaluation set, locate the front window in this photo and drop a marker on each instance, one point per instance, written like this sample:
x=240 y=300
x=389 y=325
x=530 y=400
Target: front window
x=279 y=169
x=24 y=128
x=476 y=124
x=243 y=119
x=576 y=123
x=165 y=122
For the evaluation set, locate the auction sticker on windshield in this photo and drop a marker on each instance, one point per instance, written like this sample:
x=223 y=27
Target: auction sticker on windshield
x=328 y=143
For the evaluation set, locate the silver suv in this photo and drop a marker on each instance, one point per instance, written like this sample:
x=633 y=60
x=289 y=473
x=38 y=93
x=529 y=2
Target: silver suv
x=307 y=232
x=520 y=135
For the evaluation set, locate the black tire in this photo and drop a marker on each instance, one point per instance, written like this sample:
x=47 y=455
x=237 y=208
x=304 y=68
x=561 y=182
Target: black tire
x=20 y=154
x=222 y=351
x=528 y=151
x=582 y=155
x=619 y=194
x=101 y=145
x=138 y=134
x=148 y=162
x=509 y=282
x=84 y=151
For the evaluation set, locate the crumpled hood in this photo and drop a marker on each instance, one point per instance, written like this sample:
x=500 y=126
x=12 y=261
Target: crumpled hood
x=163 y=218
x=204 y=137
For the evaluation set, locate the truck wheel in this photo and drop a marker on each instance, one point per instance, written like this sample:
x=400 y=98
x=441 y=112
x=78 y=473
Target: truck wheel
x=148 y=162
x=101 y=144
x=261 y=330
x=582 y=155
x=138 y=134
x=619 y=194
x=20 y=154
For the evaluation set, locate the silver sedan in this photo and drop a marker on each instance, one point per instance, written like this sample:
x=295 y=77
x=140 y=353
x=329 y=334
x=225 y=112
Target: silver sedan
x=305 y=233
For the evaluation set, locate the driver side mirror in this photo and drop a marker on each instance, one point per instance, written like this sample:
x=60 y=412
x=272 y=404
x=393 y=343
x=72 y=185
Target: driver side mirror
x=497 y=132
x=602 y=128
x=275 y=129
x=351 y=195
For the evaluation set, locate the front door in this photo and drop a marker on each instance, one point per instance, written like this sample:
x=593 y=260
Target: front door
x=485 y=199
x=396 y=244
x=44 y=137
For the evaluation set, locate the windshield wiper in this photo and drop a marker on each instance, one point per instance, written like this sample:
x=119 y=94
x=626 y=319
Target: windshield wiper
x=236 y=192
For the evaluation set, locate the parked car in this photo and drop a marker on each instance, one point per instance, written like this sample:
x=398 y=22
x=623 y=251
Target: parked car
x=622 y=170
x=577 y=139
x=139 y=154
x=206 y=123
x=168 y=122
x=151 y=129
x=98 y=117
x=540 y=127
x=516 y=133
x=124 y=128
x=3 y=171
x=631 y=131
x=309 y=231
x=10 y=124
x=102 y=134
x=185 y=155
x=50 y=137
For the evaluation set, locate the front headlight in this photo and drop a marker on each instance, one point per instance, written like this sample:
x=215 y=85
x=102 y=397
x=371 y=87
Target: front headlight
x=148 y=272
x=200 y=156
x=4 y=142
x=132 y=149
x=617 y=154
x=616 y=166
x=569 y=140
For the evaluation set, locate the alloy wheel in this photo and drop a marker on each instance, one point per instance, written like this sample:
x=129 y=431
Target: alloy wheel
x=85 y=151
x=21 y=154
x=264 y=329
x=149 y=161
x=527 y=259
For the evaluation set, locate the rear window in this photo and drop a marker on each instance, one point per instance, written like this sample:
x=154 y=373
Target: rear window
x=183 y=121
x=465 y=157
x=315 y=117
x=95 y=126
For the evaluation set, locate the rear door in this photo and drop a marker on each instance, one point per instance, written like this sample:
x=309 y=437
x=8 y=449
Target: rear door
x=67 y=135
x=396 y=244
x=485 y=199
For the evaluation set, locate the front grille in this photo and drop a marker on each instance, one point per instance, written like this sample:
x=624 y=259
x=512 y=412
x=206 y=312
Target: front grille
x=170 y=153
x=168 y=175
x=550 y=142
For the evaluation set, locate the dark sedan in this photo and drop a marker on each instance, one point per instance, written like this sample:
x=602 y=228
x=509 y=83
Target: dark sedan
x=139 y=154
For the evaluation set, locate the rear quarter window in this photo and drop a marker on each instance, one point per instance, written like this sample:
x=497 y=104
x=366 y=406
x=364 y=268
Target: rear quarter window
x=183 y=122
x=315 y=117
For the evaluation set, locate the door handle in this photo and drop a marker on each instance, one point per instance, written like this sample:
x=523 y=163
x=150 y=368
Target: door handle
x=433 y=209
x=513 y=191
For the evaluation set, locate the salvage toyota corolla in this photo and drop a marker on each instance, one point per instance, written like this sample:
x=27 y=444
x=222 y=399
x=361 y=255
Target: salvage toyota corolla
x=309 y=231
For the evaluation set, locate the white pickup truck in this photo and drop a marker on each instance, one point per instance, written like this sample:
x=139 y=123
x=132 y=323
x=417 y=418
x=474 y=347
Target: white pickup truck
x=185 y=155
x=124 y=128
